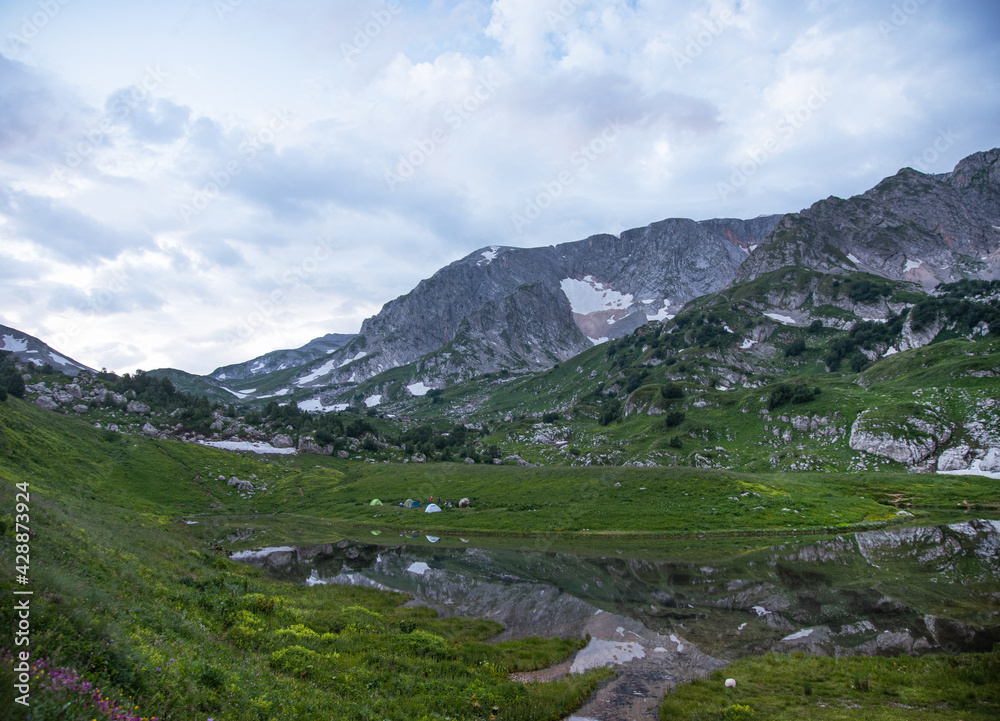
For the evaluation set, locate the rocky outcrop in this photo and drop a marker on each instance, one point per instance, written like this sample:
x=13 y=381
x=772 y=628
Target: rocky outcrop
x=280 y=360
x=909 y=436
x=642 y=273
x=916 y=227
x=282 y=441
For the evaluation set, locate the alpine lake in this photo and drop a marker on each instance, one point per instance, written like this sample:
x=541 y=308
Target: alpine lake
x=668 y=611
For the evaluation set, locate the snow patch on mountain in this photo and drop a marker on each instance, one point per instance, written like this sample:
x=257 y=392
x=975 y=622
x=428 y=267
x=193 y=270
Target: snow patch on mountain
x=12 y=344
x=318 y=373
x=591 y=296
x=358 y=357
x=418 y=389
x=781 y=318
x=372 y=401
x=912 y=265
x=489 y=255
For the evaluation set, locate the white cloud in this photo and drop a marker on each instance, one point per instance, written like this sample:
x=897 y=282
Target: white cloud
x=697 y=85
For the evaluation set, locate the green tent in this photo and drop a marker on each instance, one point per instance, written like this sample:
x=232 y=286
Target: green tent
x=376 y=502
x=410 y=503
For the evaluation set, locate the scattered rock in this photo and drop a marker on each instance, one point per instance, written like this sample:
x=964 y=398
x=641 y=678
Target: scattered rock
x=730 y=683
x=240 y=485
x=74 y=390
x=618 y=485
x=343 y=454
x=62 y=397
x=149 y=429
x=282 y=441
x=419 y=458
x=954 y=459
x=80 y=409
x=470 y=460
x=136 y=407
x=47 y=403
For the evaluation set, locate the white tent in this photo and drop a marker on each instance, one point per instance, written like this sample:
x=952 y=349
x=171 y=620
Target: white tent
x=432 y=508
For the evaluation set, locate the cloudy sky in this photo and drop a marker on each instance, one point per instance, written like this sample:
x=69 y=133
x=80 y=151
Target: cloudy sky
x=191 y=183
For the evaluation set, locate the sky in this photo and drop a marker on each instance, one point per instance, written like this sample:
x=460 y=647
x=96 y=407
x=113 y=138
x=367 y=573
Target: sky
x=194 y=183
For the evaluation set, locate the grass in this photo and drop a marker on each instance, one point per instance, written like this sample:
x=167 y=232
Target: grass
x=791 y=688
x=128 y=599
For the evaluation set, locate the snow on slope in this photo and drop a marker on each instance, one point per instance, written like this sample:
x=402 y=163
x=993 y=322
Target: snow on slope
x=591 y=296
x=12 y=344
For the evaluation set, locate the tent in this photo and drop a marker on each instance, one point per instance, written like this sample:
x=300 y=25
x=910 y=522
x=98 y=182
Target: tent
x=433 y=508
x=376 y=502
x=433 y=539
x=410 y=503
x=376 y=533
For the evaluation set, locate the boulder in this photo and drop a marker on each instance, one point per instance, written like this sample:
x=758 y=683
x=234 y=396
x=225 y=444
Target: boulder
x=217 y=425
x=74 y=390
x=282 y=441
x=419 y=458
x=908 y=436
x=137 y=407
x=149 y=429
x=991 y=464
x=343 y=454
x=240 y=485
x=80 y=409
x=470 y=460
x=47 y=403
x=954 y=459
x=113 y=427
x=62 y=397
x=118 y=398
x=37 y=388
x=463 y=503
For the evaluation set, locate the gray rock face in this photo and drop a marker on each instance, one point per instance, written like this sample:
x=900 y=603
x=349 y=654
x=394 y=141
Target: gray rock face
x=909 y=439
x=33 y=352
x=916 y=227
x=954 y=459
x=512 y=303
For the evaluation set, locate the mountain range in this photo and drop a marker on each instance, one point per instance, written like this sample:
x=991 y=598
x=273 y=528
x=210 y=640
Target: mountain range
x=527 y=309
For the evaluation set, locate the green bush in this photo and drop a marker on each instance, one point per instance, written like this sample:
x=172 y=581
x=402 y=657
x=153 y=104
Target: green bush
x=671 y=391
x=785 y=393
x=796 y=348
x=294 y=660
x=673 y=419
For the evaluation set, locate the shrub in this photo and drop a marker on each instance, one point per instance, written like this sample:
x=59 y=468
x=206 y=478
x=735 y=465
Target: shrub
x=550 y=418
x=784 y=393
x=671 y=391
x=816 y=326
x=796 y=348
x=676 y=442
x=294 y=660
x=674 y=419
